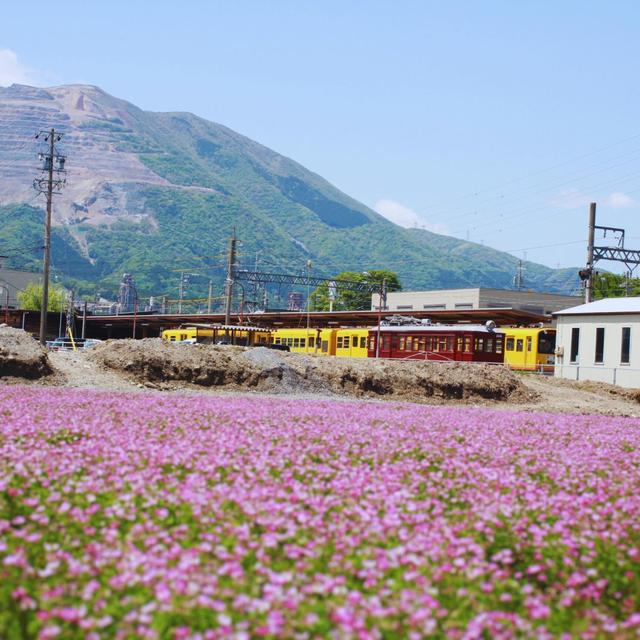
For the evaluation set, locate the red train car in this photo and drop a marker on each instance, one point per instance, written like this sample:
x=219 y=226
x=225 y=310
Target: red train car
x=437 y=342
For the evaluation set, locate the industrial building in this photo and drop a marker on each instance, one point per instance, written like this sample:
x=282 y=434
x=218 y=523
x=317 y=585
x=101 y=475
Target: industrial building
x=475 y=298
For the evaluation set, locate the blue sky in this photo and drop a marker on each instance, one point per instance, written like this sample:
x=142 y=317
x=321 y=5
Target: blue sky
x=497 y=121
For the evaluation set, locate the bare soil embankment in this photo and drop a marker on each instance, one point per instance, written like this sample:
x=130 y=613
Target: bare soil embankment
x=259 y=369
x=21 y=356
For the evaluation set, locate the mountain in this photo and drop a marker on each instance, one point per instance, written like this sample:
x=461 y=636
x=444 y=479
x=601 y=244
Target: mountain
x=154 y=193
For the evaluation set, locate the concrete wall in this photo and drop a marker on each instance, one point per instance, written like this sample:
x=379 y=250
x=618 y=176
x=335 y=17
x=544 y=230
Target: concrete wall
x=611 y=370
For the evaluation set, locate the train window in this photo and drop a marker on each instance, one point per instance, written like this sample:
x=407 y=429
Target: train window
x=339 y=343
x=172 y=338
x=498 y=345
x=386 y=343
x=311 y=341
x=277 y=341
x=296 y=342
x=372 y=343
x=363 y=342
x=325 y=346
x=488 y=347
x=479 y=344
x=409 y=343
x=443 y=343
x=394 y=342
x=467 y=344
x=402 y=339
x=546 y=342
x=459 y=343
x=354 y=341
x=519 y=344
x=303 y=342
x=528 y=343
x=510 y=344
x=449 y=343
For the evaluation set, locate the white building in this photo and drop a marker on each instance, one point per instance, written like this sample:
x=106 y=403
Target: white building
x=600 y=341
x=475 y=298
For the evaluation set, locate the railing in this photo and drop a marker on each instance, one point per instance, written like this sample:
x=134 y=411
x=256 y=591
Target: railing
x=425 y=355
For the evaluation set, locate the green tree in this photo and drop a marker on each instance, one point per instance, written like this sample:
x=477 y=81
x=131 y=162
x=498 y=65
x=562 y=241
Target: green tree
x=30 y=298
x=352 y=300
x=612 y=285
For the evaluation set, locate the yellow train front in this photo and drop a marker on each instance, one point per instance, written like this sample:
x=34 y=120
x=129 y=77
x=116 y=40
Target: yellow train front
x=529 y=348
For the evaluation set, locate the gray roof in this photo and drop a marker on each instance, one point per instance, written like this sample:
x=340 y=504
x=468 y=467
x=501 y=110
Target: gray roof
x=606 y=305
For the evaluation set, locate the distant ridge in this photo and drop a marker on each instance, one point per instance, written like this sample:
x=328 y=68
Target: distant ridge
x=152 y=193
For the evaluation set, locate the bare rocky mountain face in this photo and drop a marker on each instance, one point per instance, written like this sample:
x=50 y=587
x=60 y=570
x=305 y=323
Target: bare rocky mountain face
x=145 y=190
x=97 y=164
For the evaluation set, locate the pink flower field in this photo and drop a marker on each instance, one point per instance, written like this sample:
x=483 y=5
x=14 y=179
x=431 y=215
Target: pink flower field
x=166 y=516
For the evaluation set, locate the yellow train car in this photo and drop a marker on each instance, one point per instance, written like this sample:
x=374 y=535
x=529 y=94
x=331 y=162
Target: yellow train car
x=298 y=340
x=243 y=336
x=529 y=348
x=351 y=343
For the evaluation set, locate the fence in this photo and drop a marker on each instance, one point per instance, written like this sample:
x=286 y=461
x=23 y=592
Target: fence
x=623 y=376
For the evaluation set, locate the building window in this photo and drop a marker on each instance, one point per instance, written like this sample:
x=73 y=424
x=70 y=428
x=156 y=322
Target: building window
x=433 y=307
x=463 y=305
x=599 y=345
x=626 y=344
x=575 y=343
x=404 y=307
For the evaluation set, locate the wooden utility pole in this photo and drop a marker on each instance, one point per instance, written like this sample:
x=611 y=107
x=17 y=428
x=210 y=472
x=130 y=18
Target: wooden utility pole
x=588 y=284
x=229 y=281
x=53 y=162
x=210 y=297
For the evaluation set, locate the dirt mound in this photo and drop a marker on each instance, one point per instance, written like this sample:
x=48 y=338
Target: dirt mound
x=21 y=356
x=155 y=361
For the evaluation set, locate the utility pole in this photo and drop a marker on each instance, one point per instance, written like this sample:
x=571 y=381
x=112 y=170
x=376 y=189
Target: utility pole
x=588 y=284
x=229 y=281
x=518 y=279
x=308 y=299
x=209 y=299
x=70 y=315
x=382 y=303
x=181 y=292
x=53 y=162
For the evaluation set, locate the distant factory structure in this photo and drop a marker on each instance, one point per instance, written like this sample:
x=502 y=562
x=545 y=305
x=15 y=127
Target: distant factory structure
x=127 y=295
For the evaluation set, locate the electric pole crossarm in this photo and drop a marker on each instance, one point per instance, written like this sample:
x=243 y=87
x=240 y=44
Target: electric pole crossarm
x=627 y=256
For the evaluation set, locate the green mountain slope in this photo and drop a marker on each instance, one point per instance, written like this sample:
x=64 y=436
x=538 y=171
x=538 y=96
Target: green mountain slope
x=155 y=193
